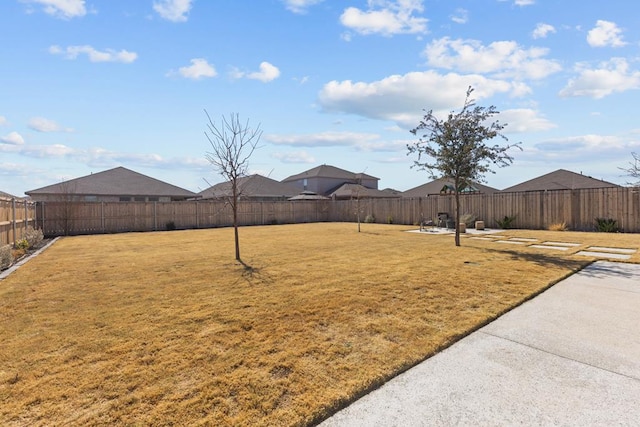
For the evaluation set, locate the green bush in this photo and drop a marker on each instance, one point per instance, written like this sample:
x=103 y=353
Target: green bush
x=22 y=244
x=171 y=225
x=606 y=225
x=506 y=222
x=389 y=219
x=370 y=219
x=6 y=256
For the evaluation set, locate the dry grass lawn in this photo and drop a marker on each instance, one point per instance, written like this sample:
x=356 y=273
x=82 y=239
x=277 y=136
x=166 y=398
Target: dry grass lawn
x=166 y=329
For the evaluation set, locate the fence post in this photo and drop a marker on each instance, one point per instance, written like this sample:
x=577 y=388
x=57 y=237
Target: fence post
x=155 y=216
x=13 y=220
x=102 y=221
x=26 y=216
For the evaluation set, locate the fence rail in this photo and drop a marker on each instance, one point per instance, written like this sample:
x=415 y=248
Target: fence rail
x=578 y=209
x=15 y=217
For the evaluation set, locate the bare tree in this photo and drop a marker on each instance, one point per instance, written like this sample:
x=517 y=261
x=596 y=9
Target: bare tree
x=455 y=148
x=633 y=171
x=232 y=144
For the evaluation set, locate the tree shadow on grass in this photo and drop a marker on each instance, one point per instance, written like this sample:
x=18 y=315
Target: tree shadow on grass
x=542 y=259
x=253 y=275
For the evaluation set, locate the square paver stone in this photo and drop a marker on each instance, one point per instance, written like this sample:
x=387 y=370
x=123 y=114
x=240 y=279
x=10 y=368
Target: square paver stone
x=603 y=255
x=615 y=250
x=555 y=248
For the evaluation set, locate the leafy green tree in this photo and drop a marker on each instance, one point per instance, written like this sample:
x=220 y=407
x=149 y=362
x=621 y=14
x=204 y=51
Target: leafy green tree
x=456 y=148
x=232 y=144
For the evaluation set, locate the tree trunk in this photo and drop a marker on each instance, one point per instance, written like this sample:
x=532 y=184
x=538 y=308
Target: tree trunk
x=457 y=215
x=234 y=185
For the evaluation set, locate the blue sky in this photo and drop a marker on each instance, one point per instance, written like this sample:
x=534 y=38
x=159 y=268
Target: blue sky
x=90 y=85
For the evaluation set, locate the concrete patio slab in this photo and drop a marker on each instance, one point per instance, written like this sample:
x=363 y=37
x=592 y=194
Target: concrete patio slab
x=556 y=248
x=615 y=250
x=570 y=356
x=568 y=244
x=603 y=255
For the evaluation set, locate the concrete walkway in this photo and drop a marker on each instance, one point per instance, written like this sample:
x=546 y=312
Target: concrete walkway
x=570 y=356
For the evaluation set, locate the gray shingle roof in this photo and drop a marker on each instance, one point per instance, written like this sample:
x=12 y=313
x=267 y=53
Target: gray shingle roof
x=250 y=187
x=348 y=191
x=327 y=171
x=435 y=186
x=115 y=182
x=560 y=179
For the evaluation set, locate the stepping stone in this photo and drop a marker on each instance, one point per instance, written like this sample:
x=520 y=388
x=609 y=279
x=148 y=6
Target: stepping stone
x=513 y=242
x=484 y=238
x=557 y=248
x=523 y=239
x=616 y=250
x=561 y=244
x=603 y=255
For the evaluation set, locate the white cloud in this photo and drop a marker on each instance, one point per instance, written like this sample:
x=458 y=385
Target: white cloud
x=585 y=146
x=198 y=69
x=521 y=120
x=94 y=55
x=461 y=16
x=173 y=10
x=605 y=33
x=386 y=17
x=542 y=30
x=611 y=76
x=64 y=9
x=268 y=72
x=294 y=157
x=524 y=2
x=13 y=138
x=502 y=58
x=356 y=140
x=3 y=121
x=41 y=124
x=47 y=151
x=300 y=6
x=402 y=98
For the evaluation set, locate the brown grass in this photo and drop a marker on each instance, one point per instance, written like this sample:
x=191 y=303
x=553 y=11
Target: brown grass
x=164 y=328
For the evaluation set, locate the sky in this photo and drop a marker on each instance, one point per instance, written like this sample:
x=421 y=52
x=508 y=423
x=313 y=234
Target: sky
x=90 y=85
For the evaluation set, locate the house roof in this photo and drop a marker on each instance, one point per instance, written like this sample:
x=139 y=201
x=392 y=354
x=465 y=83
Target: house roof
x=437 y=185
x=347 y=191
x=560 y=179
x=114 y=182
x=308 y=195
x=4 y=195
x=327 y=171
x=251 y=186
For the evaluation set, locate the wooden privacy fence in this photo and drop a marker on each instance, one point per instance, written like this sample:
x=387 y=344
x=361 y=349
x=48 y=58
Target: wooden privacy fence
x=535 y=210
x=69 y=218
x=578 y=209
x=15 y=217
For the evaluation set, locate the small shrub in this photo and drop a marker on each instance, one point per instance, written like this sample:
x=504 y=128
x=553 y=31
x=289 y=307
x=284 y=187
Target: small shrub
x=468 y=219
x=171 y=225
x=370 y=219
x=559 y=226
x=22 y=244
x=6 y=256
x=34 y=237
x=389 y=219
x=606 y=225
x=506 y=222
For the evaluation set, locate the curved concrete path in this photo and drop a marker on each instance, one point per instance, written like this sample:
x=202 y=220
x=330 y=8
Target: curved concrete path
x=570 y=356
